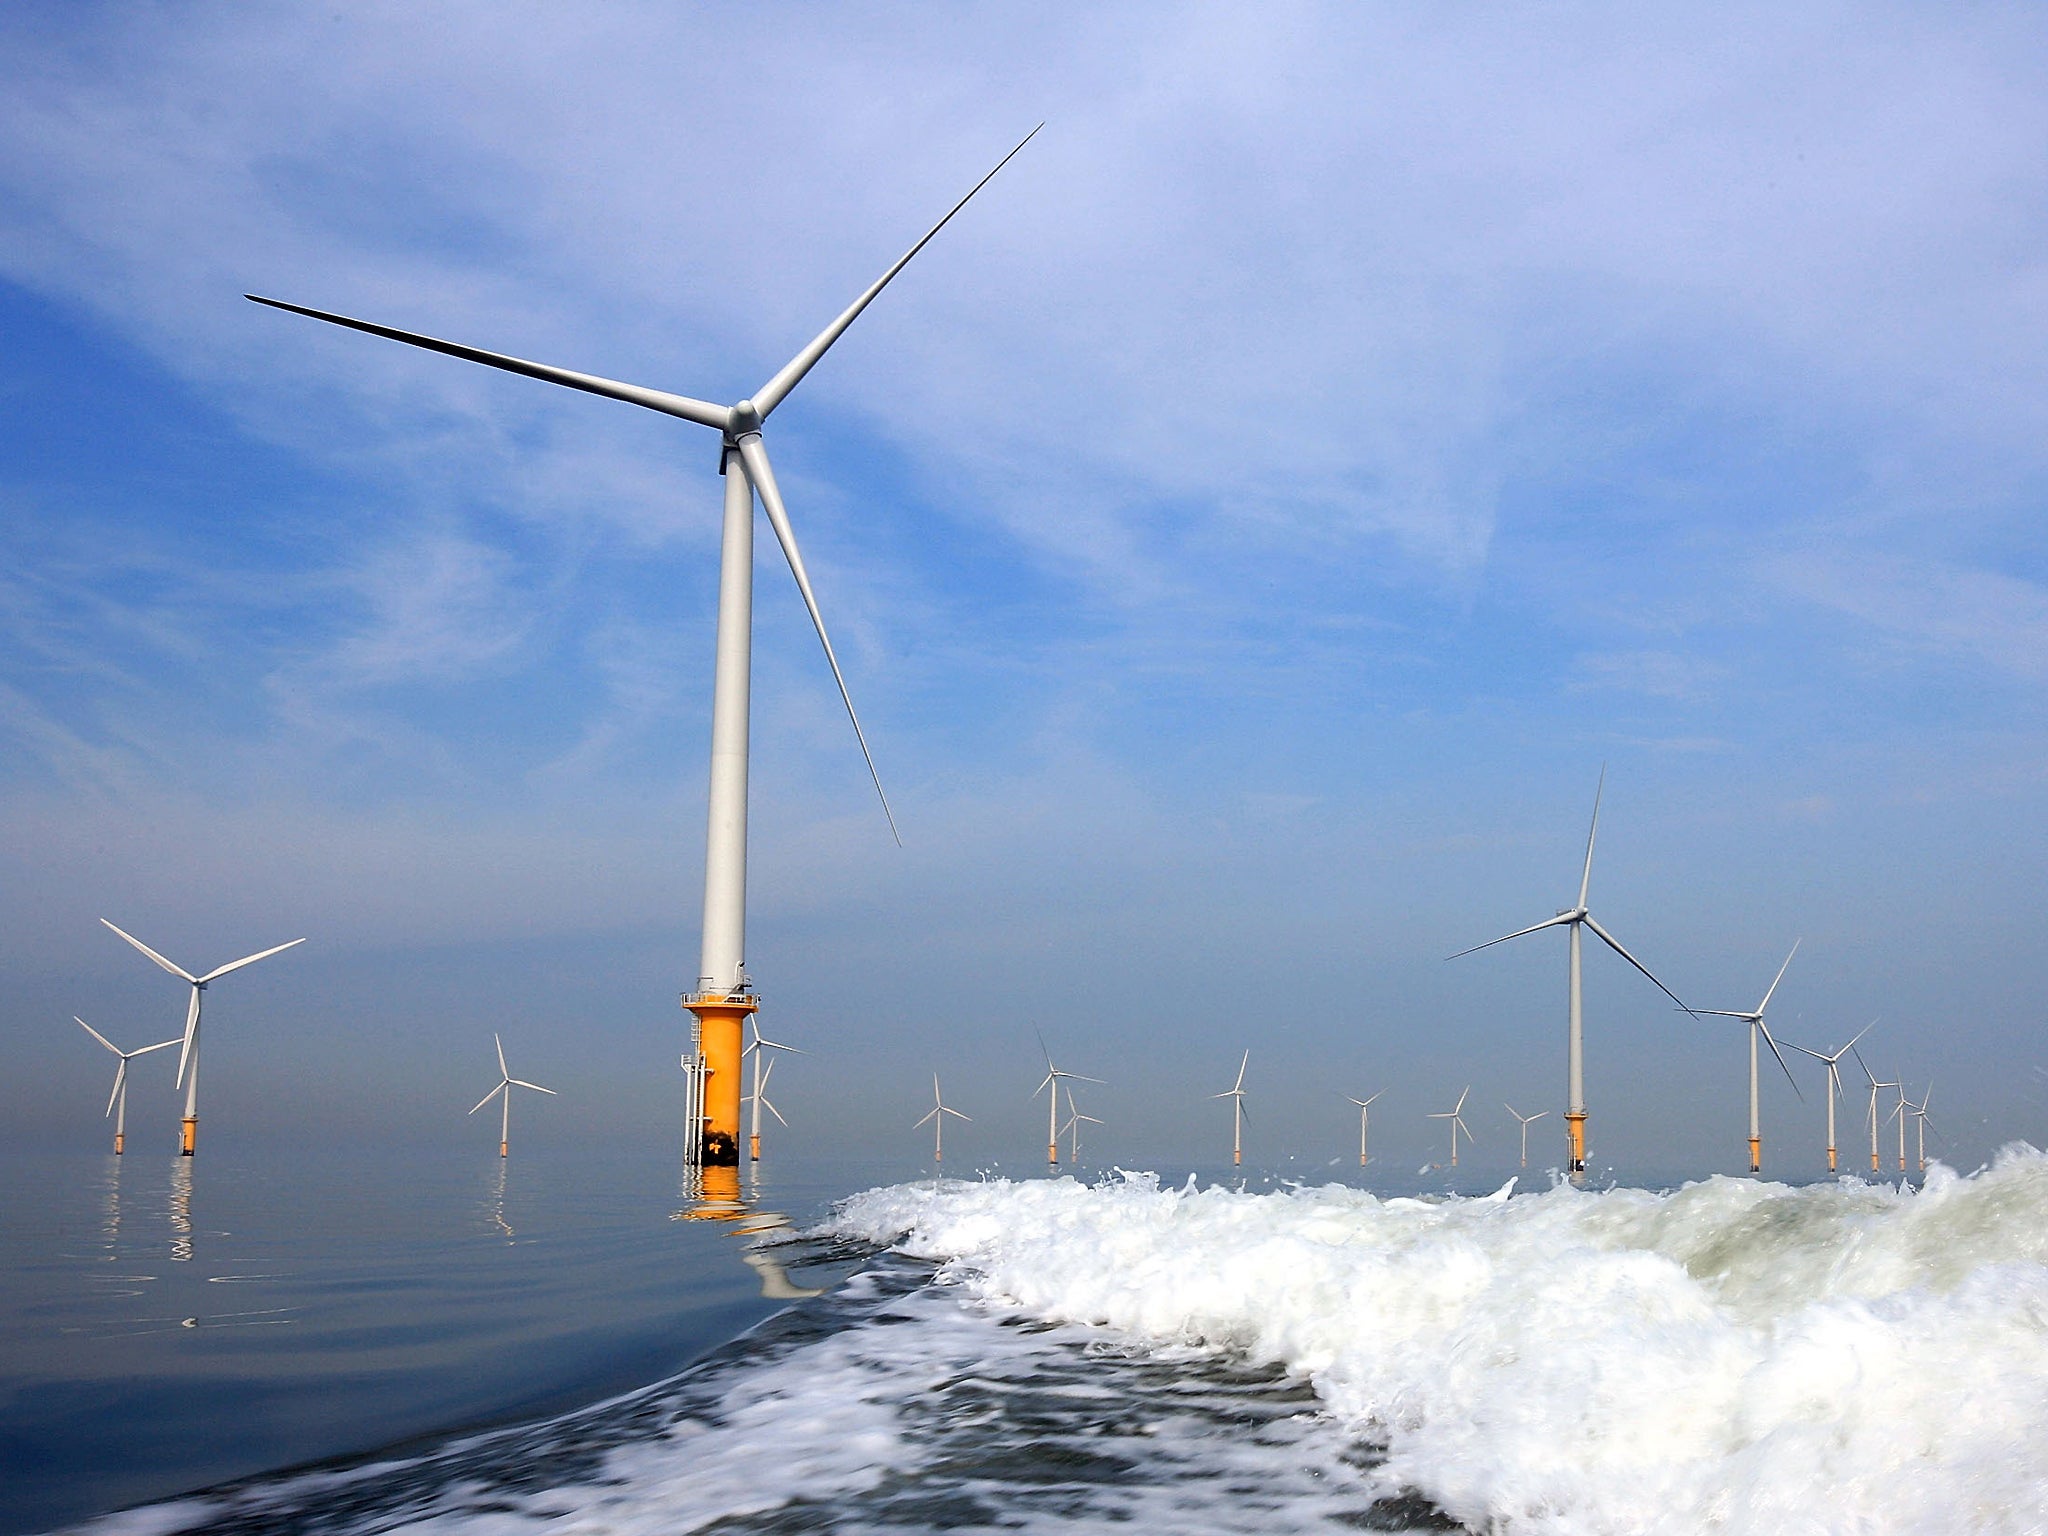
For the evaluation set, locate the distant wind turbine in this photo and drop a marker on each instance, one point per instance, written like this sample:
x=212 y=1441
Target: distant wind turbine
x=1876 y=1159
x=937 y=1118
x=1899 y=1114
x=1075 y=1120
x=759 y=1100
x=506 y=1083
x=1526 y=1122
x=1457 y=1124
x=724 y=995
x=119 y=1097
x=1053 y=1078
x=1919 y=1112
x=759 y=1050
x=1235 y=1093
x=1834 y=1065
x=1754 y=1018
x=1363 y=1106
x=188 y=1058
x=1572 y=919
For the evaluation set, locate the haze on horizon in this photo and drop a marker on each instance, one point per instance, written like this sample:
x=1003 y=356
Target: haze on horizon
x=1248 y=530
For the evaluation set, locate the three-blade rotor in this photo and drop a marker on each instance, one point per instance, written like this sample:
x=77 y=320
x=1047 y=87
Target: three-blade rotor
x=739 y=424
x=1755 y=1017
x=198 y=984
x=506 y=1081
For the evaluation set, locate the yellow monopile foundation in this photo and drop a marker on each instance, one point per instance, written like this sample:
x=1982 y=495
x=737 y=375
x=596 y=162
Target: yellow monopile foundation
x=191 y=1135
x=1575 y=1139
x=721 y=1021
x=1756 y=1154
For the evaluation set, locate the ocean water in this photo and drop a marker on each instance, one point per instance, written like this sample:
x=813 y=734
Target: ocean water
x=1123 y=1353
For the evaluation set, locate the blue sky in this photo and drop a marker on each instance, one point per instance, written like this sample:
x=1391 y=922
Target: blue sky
x=1248 y=530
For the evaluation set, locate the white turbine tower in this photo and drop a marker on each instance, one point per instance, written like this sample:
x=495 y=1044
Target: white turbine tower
x=1052 y=1079
x=1834 y=1065
x=119 y=1097
x=1457 y=1124
x=1876 y=1159
x=759 y=1100
x=1526 y=1121
x=759 y=1050
x=937 y=1120
x=723 y=994
x=188 y=1058
x=1235 y=1093
x=1572 y=919
x=506 y=1083
x=1754 y=1018
x=1363 y=1106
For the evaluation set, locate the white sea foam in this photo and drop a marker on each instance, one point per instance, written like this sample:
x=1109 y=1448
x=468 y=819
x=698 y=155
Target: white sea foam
x=1734 y=1355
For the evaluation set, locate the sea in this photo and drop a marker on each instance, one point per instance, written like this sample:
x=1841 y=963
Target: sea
x=596 y=1341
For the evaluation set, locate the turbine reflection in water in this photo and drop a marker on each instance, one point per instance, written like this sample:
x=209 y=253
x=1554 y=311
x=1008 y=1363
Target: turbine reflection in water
x=181 y=1211
x=713 y=1194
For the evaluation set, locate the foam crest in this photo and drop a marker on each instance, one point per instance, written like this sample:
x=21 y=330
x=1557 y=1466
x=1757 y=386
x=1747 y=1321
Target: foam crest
x=1734 y=1355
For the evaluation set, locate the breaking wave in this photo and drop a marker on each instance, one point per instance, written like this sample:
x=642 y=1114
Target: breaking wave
x=1731 y=1355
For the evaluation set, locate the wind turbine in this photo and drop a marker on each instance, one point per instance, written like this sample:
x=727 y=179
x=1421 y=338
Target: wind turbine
x=1899 y=1114
x=724 y=994
x=120 y=1094
x=759 y=1050
x=1457 y=1124
x=1919 y=1112
x=1876 y=1161
x=1363 y=1106
x=1755 y=1019
x=937 y=1117
x=759 y=1098
x=188 y=1058
x=1833 y=1064
x=1075 y=1120
x=1572 y=919
x=1527 y=1121
x=506 y=1083
x=1235 y=1093
x=1053 y=1078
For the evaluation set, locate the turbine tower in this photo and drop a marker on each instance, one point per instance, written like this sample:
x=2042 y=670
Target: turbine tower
x=1755 y=1020
x=723 y=996
x=937 y=1118
x=1919 y=1112
x=1876 y=1160
x=1834 y=1065
x=1235 y=1093
x=1457 y=1124
x=1526 y=1122
x=759 y=1050
x=1052 y=1079
x=759 y=1100
x=1572 y=919
x=120 y=1094
x=1363 y=1106
x=188 y=1058
x=506 y=1083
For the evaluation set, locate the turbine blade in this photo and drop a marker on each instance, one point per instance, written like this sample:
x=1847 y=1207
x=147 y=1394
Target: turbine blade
x=236 y=965
x=503 y=1070
x=1615 y=944
x=175 y=970
x=700 y=411
x=769 y=1105
x=933 y=1115
x=1866 y=1029
x=1586 y=879
x=1548 y=922
x=1722 y=1013
x=1781 y=1060
x=120 y=1077
x=480 y=1103
x=1075 y=1077
x=520 y=1082
x=1760 y=1007
x=763 y=477
x=772 y=394
x=191 y=1029
x=1816 y=1055
x=955 y=1114
x=103 y=1040
x=1241 y=1066
x=1458 y=1108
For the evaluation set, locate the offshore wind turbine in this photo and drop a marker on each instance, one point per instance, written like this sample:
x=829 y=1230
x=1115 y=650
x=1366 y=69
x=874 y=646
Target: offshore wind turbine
x=1235 y=1093
x=1834 y=1065
x=724 y=994
x=1363 y=1106
x=937 y=1117
x=188 y=1058
x=1075 y=1120
x=120 y=1094
x=506 y=1083
x=1899 y=1114
x=759 y=1050
x=1053 y=1078
x=1919 y=1112
x=1457 y=1124
x=1572 y=919
x=1526 y=1122
x=1755 y=1019
x=1876 y=1160
x=759 y=1099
